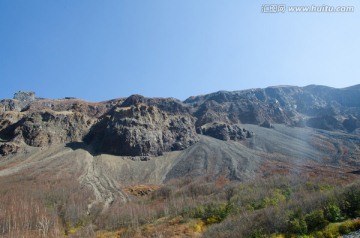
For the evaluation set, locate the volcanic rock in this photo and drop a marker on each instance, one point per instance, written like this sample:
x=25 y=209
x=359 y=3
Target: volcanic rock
x=44 y=128
x=8 y=148
x=137 y=129
x=266 y=124
x=313 y=106
x=224 y=131
x=140 y=126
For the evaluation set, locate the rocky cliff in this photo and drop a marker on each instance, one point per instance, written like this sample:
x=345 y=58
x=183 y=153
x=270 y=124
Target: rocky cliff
x=143 y=127
x=313 y=106
x=139 y=126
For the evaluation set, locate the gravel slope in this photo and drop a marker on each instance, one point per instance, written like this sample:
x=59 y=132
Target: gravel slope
x=290 y=149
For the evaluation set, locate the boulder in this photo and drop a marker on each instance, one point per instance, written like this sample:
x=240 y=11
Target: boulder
x=8 y=148
x=266 y=124
x=224 y=131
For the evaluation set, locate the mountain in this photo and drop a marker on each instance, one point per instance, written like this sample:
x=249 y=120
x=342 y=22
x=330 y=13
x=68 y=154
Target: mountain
x=101 y=150
x=142 y=127
x=314 y=106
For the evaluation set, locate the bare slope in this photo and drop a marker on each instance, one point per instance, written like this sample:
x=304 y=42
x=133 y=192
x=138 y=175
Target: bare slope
x=279 y=150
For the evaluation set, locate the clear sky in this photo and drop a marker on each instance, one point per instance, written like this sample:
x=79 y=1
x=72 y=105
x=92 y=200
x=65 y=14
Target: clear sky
x=103 y=49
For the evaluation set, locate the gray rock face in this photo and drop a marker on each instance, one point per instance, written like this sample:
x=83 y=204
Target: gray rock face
x=47 y=128
x=351 y=123
x=138 y=129
x=313 y=106
x=225 y=132
x=9 y=105
x=171 y=105
x=325 y=123
x=248 y=106
x=20 y=101
x=137 y=126
x=24 y=96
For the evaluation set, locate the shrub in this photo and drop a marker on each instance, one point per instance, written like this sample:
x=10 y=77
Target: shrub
x=332 y=213
x=324 y=234
x=344 y=229
x=210 y=213
x=351 y=205
x=316 y=220
x=298 y=226
x=257 y=233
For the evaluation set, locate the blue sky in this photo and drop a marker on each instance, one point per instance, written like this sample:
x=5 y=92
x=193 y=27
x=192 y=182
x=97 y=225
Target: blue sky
x=98 y=50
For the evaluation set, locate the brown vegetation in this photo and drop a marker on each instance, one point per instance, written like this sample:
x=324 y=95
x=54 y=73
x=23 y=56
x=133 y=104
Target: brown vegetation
x=47 y=205
x=141 y=189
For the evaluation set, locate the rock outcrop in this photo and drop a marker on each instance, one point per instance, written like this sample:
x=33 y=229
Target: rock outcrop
x=266 y=124
x=20 y=101
x=224 y=131
x=138 y=127
x=8 y=148
x=45 y=128
x=25 y=96
x=313 y=106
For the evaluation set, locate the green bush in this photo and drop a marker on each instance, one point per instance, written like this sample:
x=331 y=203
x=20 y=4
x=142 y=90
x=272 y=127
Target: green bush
x=210 y=213
x=298 y=226
x=351 y=205
x=257 y=233
x=277 y=196
x=324 y=234
x=333 y=213
x=344 y=229
x=316 y=220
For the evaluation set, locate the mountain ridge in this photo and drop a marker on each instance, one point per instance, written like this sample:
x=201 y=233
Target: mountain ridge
x=43 y=122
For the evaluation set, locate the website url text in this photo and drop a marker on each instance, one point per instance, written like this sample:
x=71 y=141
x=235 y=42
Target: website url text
x=282 y=8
